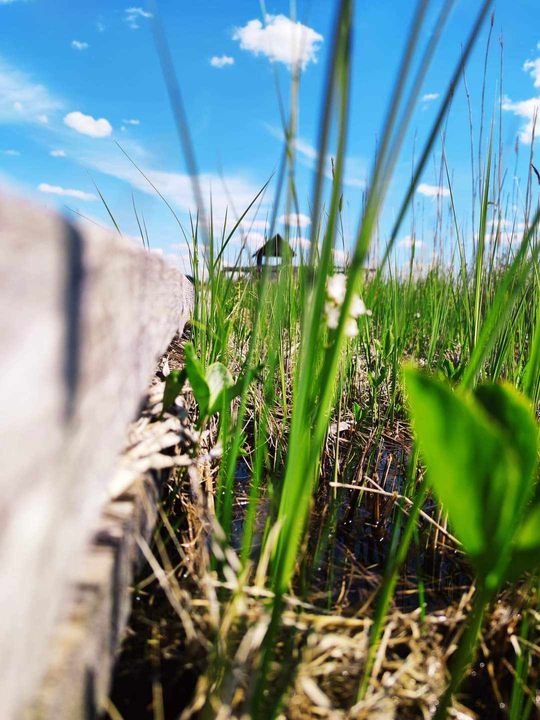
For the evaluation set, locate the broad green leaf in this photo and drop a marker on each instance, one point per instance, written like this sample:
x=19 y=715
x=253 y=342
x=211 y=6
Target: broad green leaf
x=526 y=554
x=480 y=451
x=509 y=493
x=462 y=451
x=526 y=551
x=218 y=379
x=197 y=380
x=173 y=386
x=212 y=386
x=513 y=413
x=528 y=537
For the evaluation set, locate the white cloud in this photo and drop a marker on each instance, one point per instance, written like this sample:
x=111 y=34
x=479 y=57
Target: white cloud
x=305 y=149
x=280 y=40
x=252 y=240
x=180 y=261
x=354 y=173
x=87 y=125
x=134 y=14
x=408 y=242
x=502 y=236
x=430 y=97
x=259 y=224
x=65 y=192
x=57 y=153
x=133 y=121
x=232 y=193
x=220 y=61
x=251 y=226
x=432 y=190
x=43 y=119
x=295 y=220
x=22 y=99
x=12 y=153
x=529 y=110
x=512 y=223
x=300 y=244
x=533 y=68
x=78 y=45
x=355 y=168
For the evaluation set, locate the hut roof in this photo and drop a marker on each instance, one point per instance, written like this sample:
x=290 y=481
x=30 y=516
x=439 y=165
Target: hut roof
x=275 y=247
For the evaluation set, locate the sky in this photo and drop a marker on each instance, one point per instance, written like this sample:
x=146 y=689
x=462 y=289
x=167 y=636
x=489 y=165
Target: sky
x=82 y=92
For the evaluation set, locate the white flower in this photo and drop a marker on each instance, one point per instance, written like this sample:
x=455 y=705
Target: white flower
x=336 y=286
x=358 y=307
x=331 y=312
x=351 y=328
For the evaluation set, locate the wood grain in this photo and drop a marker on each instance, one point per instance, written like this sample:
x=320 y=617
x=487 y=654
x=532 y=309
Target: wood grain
x=85 y=315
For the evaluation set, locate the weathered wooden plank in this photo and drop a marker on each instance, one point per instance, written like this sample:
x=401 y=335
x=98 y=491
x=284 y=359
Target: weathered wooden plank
x=85 y=314
x=80 y=664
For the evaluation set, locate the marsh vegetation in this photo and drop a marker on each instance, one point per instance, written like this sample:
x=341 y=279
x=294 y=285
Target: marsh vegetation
x=356 y=530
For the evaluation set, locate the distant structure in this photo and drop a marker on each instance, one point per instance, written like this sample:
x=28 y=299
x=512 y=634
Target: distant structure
x=276 y=247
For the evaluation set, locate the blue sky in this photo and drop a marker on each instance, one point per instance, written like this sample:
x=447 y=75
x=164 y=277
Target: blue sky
x=77 y=77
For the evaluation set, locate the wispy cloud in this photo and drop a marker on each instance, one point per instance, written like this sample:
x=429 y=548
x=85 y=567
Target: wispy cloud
x=355 y=174
x=231 y=194
x=12 y=153
x=133 y=15
x=430 y=97
x=221 y=61
x=409 y=242
x=66 y=192
x=295 y=220
x=255 y=224
x=280 y=39
x=57 y=153
x=252 y=240
x=22 y=100
x=533 y=68
x=79 y=45
x=432 y=191
x=528 y=110
x=133 y=121
x=88 y=125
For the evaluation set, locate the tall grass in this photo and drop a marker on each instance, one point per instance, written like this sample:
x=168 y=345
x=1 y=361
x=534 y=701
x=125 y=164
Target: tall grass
x=478 y=318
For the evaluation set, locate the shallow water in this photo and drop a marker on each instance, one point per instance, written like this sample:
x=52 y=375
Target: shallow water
x=350 y=540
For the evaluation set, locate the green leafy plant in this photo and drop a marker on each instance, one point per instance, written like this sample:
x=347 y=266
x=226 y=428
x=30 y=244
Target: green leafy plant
x=213 y=387
x=481 y=453
x=479 y=322
x=174 y=382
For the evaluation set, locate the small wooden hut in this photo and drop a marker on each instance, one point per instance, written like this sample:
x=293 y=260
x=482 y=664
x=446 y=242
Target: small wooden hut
x=276 y=247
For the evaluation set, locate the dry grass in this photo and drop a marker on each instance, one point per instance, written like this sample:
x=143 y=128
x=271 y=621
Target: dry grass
x=195 y=636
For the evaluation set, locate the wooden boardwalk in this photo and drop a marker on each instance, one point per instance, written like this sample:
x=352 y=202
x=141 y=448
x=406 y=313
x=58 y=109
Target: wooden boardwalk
x=85 y=315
